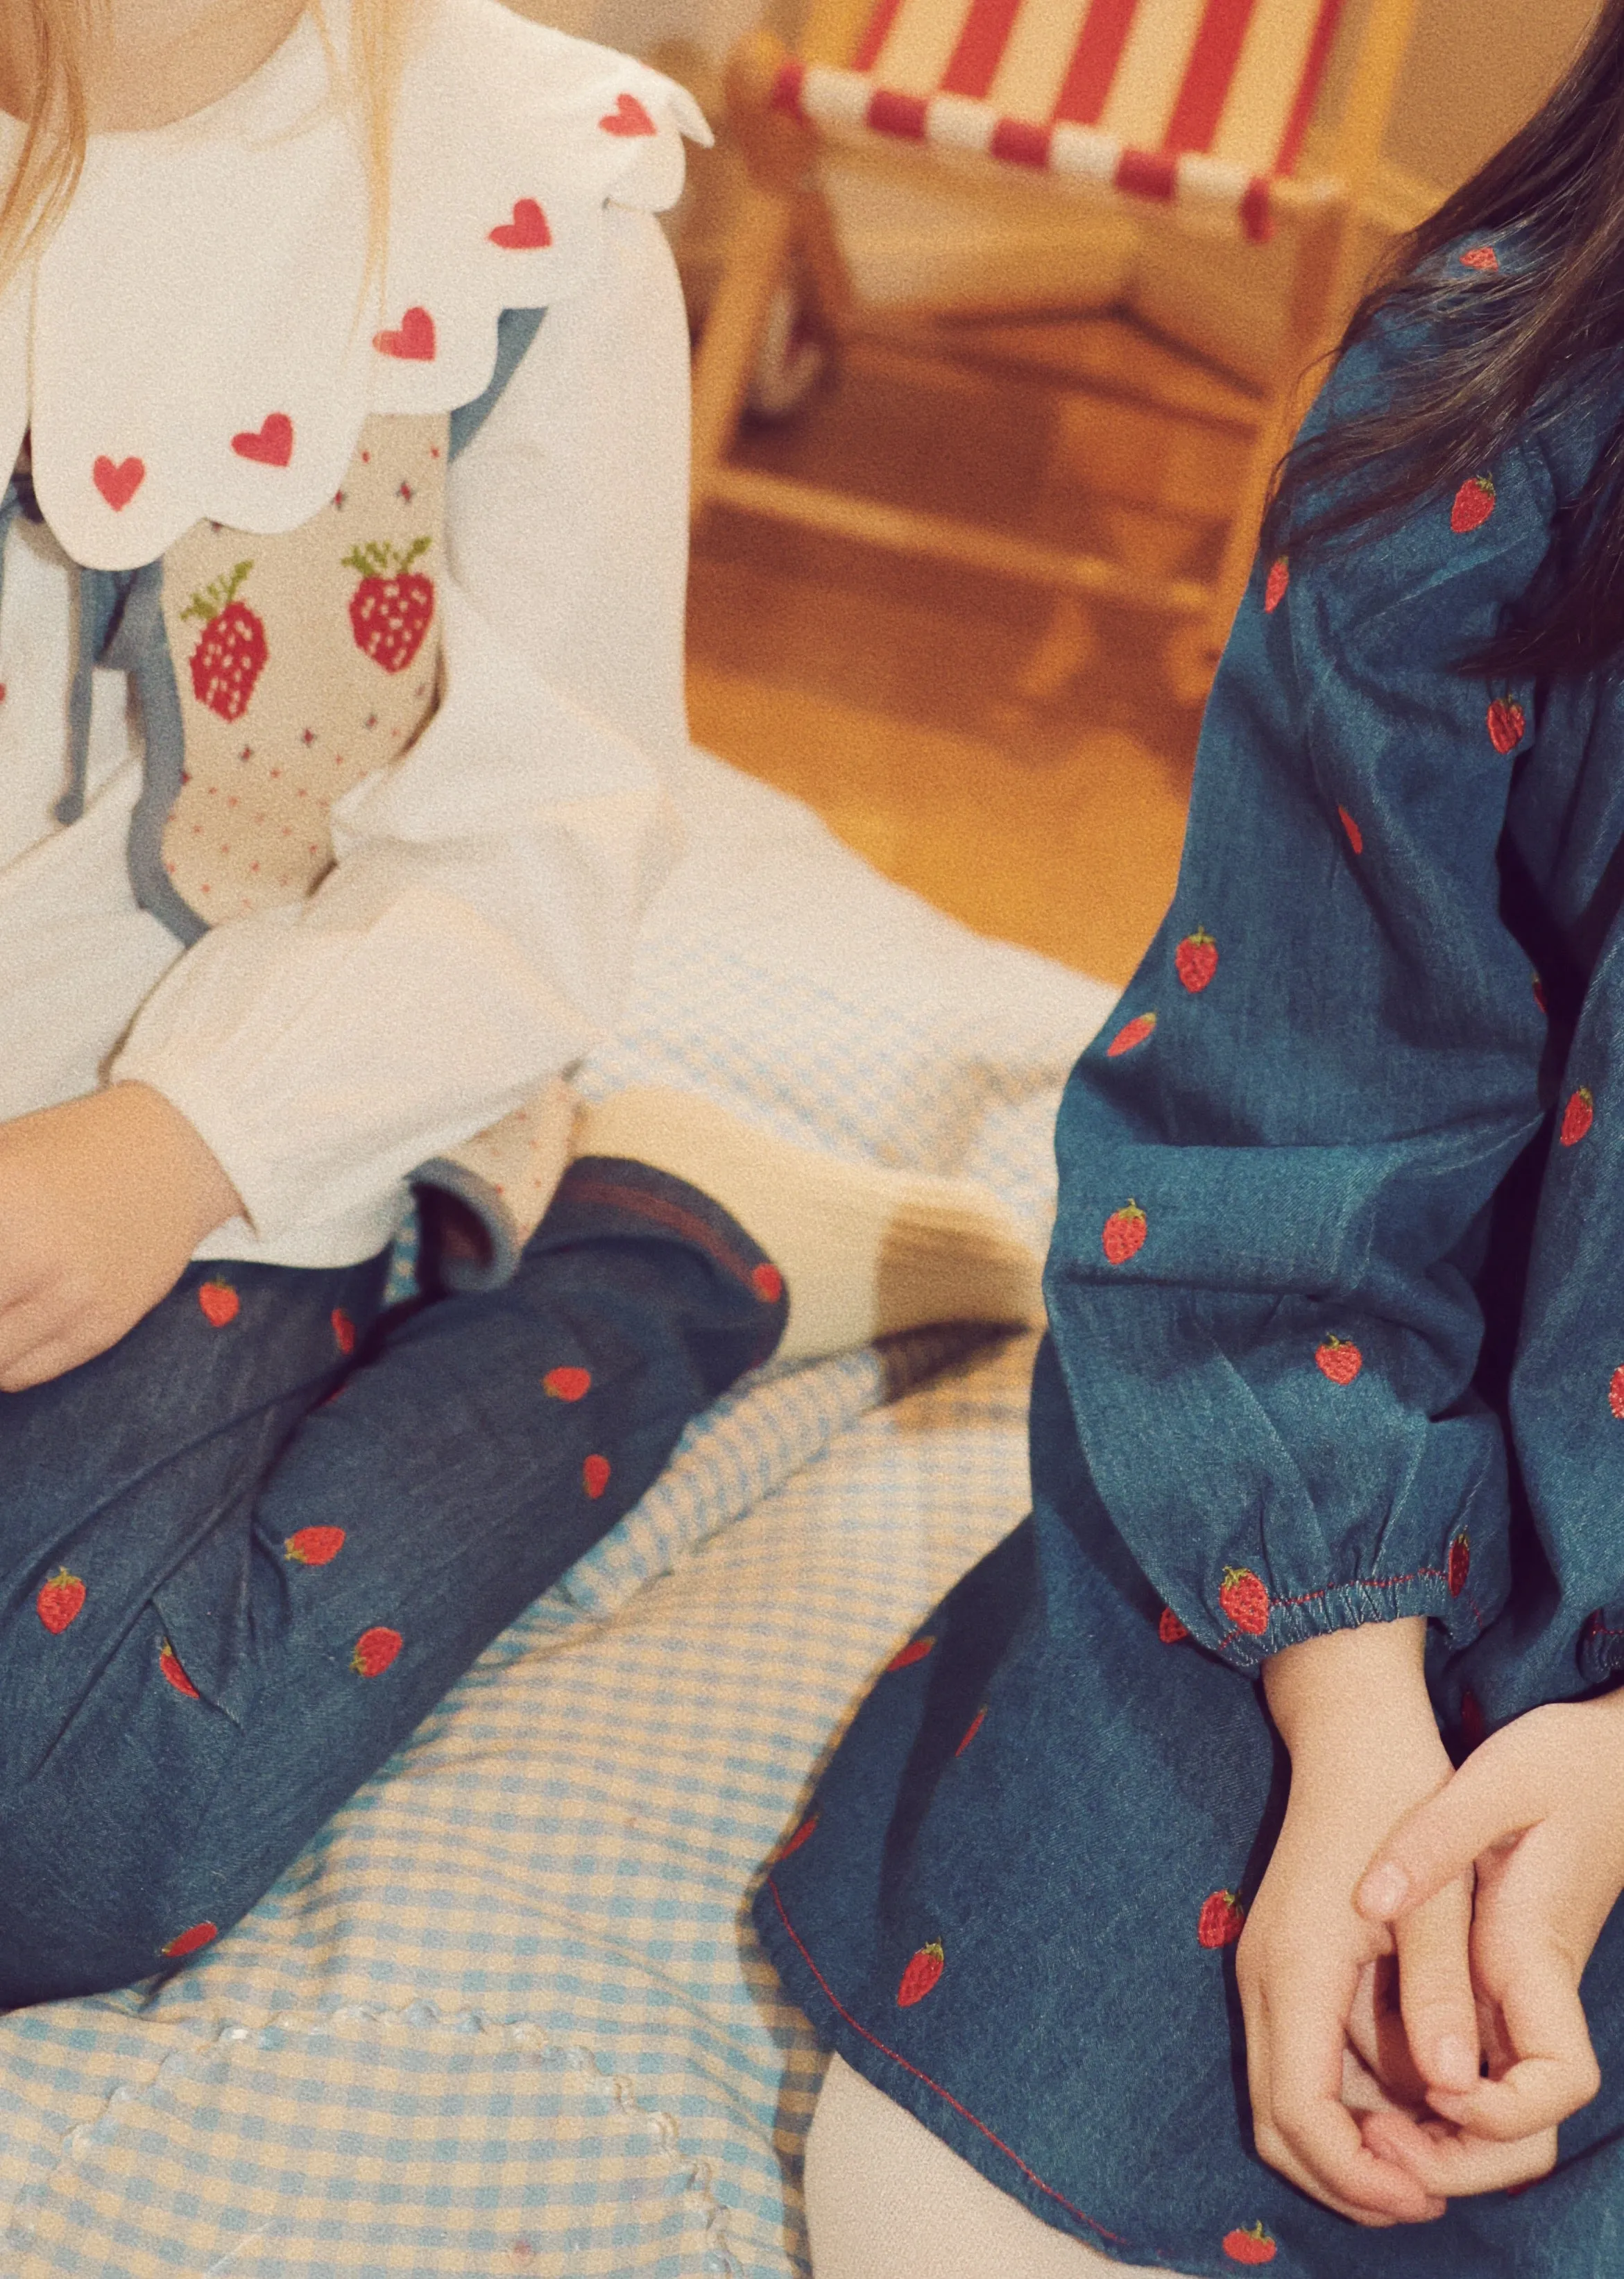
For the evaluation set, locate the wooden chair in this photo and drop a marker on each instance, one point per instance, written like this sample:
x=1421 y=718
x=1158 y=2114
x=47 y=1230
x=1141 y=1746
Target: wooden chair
x=1201 y=106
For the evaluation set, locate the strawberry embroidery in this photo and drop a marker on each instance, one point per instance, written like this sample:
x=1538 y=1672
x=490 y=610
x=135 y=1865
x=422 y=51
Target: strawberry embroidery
x=313 y=1547
x=1254 y=2246
x=59 y=1600
x=1577 y=1117
x=1123 y=1234
x=1615 y=1393
x=798 y=1838
x=1472 y=1724
x=169 y=1663
x=1196 y=959
x=915 y=1650
x=1274 y=586
x=1221 y=1919
x=220 y=1303
x=527 y=229
x=393 y=607
x=1134 y=1032
x=924 y=1969
x=1473 y=506
x=1245 y=1600
x=231 y=655
x=343 y=1331
x=374 y=1651
x=1356 y=837
x=187 y=1942
x=595 y=1476
x=1339 y=1359
x=971 y=1731
x=767 y=1282
x=1480 y=256
x=1169 y=1630
x=1507 y=724
x=1539 y=992
x=567 y=1383
x=1459 y=1563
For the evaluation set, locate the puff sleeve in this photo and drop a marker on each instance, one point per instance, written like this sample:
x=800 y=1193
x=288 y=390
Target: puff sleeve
x=1278 y=1163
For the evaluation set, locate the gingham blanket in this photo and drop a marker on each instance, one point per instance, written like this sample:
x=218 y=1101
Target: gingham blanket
x=507 y=2015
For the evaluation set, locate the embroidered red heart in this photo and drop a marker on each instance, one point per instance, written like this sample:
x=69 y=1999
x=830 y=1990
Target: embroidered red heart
x=628 y=118
x=528 y=227
x=415 y=341
x=119 y=484
x=271 y=446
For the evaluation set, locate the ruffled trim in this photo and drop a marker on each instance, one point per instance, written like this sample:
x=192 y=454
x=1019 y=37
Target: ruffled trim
x=198 y=339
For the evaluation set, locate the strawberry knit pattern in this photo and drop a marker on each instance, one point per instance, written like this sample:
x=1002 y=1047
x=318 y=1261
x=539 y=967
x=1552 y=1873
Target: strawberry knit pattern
x=1356 y=1355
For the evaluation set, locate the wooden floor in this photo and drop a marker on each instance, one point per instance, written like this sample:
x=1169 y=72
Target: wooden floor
x=1017 y=758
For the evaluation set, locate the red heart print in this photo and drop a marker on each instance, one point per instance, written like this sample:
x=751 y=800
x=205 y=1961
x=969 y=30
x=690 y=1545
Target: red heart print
x=628 y=118
x=119 y=484
x=528 y=227
x=415 y=341
x=271 y=446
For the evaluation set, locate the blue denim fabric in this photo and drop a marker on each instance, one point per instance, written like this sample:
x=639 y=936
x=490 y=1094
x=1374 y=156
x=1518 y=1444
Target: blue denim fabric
x=1338 y=1335
x=244 y=1553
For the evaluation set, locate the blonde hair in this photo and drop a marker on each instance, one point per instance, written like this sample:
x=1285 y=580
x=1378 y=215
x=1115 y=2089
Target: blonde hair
x=54 y=37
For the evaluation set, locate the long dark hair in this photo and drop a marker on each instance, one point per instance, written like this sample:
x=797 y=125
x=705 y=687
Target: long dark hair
x=1509 y=348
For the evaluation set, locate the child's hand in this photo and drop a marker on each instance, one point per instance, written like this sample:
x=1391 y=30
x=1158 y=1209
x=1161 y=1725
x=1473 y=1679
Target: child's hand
x=1540 y=1808
x=102 y=1203
x=1352 y=1709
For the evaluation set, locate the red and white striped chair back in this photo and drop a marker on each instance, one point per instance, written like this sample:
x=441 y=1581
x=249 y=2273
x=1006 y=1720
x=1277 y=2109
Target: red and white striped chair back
x=1201 y=101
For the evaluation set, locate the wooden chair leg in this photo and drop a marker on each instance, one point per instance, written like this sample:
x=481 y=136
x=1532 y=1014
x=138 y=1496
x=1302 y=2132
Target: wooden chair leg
x=763 y=239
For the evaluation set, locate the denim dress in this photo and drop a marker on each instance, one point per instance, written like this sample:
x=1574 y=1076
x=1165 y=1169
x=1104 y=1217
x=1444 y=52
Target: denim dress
x=1336 y=1335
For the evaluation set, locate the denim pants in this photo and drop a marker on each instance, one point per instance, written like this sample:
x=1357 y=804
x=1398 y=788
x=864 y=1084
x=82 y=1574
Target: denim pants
x=246 y=1551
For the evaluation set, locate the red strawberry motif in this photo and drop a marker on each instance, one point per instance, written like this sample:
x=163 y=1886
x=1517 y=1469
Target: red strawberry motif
x=1274 y=588
x=272 y=445
x=1473 y=1723
x=767 y=1282
x=118 y=480
x=1473 y=504
x=1135 y=1032
x=1615 y=1393
x=565 y=1384
x=393 y=607
x=1480 y=256
x=1245 y=1600
x=220 y=1304
x=1507 y=724
x=1459 y=1563
x=1356 y=837
x=1539 y=992
x=414 y=343
x=1196 y=959
x=798 y=1838
x=915 y=1650
x=970 y=1731
x=1169 y=1630
x=527 y=229
x=1577 y=1117
x=187 y=1942
x=1254 y=2246
x=59 y=1600
x=1222 y=1920
x=343 y=1331
x=1124 y=1233
x=314 y=1546
x=627 y=118
x=595 y=1476
x=169 y=1663
x=924 y=1969
x=375 y=1650
x=231 y=655
x=1339 y=1359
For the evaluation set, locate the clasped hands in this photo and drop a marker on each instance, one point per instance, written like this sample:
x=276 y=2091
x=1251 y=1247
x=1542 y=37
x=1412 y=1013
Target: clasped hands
x=1409 y=1972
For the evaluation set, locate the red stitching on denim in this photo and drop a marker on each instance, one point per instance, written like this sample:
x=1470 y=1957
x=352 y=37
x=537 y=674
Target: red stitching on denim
x=1356 y=1583
x=947 y=2094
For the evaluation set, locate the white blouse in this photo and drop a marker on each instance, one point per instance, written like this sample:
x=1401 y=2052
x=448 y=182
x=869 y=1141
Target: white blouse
x=474 y=935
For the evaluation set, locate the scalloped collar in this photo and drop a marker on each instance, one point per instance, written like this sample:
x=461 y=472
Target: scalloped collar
x=198 y=339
